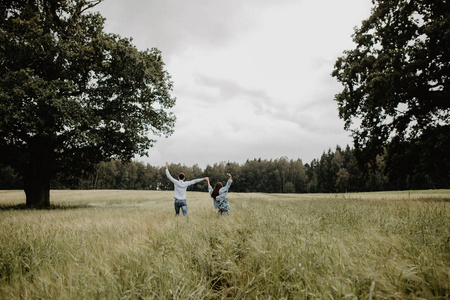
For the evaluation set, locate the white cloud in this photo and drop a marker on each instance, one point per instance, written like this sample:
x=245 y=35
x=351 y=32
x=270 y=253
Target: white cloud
x=252 y=78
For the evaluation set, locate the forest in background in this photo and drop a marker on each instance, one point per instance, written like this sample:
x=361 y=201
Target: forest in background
x=335 y=171
x=73 y=97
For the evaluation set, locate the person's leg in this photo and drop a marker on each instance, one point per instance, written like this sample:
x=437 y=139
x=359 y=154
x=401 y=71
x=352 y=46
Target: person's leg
x=177 y=208
x=180 y=204
x=184 y=209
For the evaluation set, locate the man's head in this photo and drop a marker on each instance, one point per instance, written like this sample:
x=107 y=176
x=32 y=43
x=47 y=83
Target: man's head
x=181 y=176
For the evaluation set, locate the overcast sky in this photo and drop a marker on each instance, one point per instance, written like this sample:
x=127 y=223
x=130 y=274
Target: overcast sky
x=252 y=78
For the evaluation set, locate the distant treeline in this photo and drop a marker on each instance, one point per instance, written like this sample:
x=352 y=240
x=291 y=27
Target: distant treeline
x=335 y=172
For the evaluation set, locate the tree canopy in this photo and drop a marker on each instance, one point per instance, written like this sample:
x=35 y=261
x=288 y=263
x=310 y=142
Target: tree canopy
x=72 y=95
x=396 y=83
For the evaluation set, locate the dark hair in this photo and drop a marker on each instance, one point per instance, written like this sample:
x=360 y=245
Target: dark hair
x=181 y=176
x=215 y=192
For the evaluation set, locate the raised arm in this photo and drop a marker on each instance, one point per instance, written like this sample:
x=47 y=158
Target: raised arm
x=168 y=173
x=229 y=180
x=191 y=182
x=227 y=186
x=210 y=189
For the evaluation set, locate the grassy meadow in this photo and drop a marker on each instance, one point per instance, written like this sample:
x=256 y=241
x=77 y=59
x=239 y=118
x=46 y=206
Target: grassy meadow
x=129 y=245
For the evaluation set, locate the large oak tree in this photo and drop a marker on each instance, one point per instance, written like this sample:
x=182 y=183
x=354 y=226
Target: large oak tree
x=396 y=95
x=72 y=95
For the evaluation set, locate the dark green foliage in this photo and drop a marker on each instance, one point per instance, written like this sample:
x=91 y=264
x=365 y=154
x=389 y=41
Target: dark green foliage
x=9 y=179
x=396 y=94
x=268 y=176
x=422 y=163
x=71 y=95
x=335 y=172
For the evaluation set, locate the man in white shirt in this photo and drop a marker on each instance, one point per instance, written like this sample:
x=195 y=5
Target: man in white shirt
x=180 y=187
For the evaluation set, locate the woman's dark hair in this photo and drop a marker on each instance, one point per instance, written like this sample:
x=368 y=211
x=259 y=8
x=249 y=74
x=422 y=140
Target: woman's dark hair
x=215 y=192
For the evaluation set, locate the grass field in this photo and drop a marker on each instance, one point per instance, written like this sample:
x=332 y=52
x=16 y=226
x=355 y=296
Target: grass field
x=129 y=245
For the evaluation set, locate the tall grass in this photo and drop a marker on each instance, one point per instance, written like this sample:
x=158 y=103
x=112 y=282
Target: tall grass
x=129 y=245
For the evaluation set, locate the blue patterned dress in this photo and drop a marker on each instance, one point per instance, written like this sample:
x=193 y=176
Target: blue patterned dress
x=221 y=201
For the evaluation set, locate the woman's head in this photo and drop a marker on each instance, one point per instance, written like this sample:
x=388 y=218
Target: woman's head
x=216 y=189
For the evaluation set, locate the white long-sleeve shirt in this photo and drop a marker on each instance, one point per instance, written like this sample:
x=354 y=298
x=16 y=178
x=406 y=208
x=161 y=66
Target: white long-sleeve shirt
x=180 y=186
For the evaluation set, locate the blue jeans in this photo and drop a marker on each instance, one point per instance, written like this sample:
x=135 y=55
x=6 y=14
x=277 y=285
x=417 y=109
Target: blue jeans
x=180 y=204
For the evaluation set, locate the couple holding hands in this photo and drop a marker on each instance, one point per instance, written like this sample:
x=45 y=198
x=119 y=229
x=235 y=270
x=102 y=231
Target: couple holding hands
x=218 y=193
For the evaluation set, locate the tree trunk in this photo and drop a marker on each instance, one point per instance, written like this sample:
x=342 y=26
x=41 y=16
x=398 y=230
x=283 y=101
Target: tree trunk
x=38 y=174
x=37 y=193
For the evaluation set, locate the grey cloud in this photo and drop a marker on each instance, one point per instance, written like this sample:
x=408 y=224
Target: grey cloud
x=298 y=118
x=310 y=115
x=229 y=89
x=173 y=26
